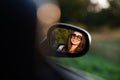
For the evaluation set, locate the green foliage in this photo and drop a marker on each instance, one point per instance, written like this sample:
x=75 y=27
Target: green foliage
x=77 y=11
x=73 y=10
x=61 y=35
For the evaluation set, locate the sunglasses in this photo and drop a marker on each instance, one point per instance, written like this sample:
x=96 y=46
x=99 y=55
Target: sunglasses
x=79 y=37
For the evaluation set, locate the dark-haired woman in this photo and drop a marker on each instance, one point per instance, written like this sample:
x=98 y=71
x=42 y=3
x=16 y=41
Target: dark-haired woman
x=74 y=44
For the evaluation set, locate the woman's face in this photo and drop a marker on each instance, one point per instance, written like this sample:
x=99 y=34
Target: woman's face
x=76 y=38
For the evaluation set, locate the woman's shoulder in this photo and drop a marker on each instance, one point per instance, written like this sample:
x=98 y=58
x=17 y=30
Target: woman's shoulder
x=60 y=47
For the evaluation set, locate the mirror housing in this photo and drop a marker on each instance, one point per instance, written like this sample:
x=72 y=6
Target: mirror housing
x=51 y=40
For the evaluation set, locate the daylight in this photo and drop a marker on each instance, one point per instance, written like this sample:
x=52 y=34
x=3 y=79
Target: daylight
x=100 y=4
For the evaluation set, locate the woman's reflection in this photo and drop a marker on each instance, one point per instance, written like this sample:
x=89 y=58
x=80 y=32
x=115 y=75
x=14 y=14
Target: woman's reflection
x=74 y=44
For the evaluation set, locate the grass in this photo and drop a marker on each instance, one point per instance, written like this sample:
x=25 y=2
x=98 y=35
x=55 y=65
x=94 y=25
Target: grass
x=93 y=64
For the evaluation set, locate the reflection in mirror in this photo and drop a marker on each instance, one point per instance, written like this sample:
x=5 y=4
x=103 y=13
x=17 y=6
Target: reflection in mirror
x=68 y=42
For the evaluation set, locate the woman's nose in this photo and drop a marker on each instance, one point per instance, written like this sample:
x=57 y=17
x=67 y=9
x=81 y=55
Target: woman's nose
x=75 y=37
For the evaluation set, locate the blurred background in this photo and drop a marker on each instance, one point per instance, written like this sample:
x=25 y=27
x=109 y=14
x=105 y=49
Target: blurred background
x=101 y=18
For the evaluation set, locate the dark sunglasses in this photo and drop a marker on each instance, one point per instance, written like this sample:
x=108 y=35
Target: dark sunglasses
x=79 y=37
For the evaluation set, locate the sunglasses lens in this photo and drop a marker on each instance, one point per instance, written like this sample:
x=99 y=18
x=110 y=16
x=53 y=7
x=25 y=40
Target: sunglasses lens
x=73 y=35
x=79 y=37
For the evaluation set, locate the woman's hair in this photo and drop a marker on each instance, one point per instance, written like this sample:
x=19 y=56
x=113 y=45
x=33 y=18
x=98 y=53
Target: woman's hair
x=68 y=44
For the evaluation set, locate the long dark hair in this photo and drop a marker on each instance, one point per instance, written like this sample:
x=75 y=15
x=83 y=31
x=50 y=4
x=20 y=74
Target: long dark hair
x=68 y=44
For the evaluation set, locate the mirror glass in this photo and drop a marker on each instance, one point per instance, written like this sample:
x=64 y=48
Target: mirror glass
x=68 y=42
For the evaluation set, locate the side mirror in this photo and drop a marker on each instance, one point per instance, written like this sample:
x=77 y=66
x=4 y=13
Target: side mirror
x=67 y=40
